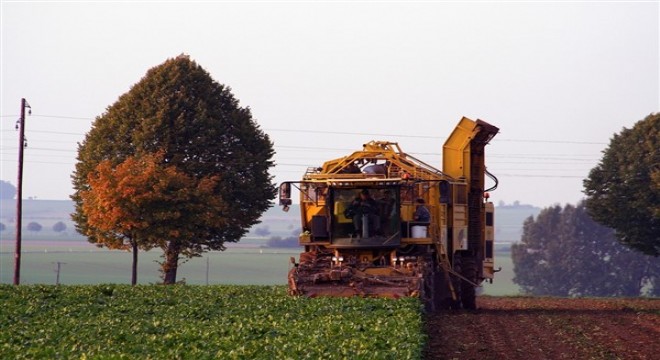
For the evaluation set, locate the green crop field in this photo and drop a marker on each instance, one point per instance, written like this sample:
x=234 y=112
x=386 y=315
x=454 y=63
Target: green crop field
x=202 y=322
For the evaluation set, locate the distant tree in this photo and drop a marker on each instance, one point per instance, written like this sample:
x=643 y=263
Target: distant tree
x=2 y=227
x=59 y=227
x=623 y=190
x=262 y=231
x=279 y=242
x=563 y=252
x=7 y=190
x=178 y=110
x=34 y=226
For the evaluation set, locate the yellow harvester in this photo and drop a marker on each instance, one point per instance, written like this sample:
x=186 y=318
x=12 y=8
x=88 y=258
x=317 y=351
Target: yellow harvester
x=380 y=222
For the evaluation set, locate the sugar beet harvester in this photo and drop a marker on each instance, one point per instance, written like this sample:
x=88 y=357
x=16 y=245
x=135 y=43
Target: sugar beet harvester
x=382 y=223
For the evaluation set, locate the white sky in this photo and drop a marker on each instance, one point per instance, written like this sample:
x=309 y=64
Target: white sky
x=558 y=78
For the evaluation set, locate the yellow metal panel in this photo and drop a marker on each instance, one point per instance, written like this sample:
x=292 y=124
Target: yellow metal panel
x=340 y=207
x=416 y=241
x=456 y=150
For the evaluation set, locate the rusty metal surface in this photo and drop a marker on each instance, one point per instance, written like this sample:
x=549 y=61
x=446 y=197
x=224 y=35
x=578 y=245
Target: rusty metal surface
x=318 y=274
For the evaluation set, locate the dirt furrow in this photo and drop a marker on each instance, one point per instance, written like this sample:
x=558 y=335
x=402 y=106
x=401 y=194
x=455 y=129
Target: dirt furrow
x=547 y=328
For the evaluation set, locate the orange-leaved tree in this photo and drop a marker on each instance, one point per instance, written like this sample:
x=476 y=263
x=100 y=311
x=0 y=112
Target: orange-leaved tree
x=146 y=203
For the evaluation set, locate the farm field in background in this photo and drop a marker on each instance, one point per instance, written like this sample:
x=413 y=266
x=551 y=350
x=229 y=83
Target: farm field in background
x=244 y=263
x=86 y=264
x=247 y=262
x=203 y=322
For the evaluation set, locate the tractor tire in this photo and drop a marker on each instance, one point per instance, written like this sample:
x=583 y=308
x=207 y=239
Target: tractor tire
x=468 y=291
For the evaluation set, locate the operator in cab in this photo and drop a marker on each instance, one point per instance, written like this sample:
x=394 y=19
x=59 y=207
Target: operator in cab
x=365 y=210
x=422 y=213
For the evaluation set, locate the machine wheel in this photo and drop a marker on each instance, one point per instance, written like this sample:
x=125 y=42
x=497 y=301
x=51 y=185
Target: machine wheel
x=467 y=290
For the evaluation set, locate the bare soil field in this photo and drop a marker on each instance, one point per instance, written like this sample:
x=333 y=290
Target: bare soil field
x=547 y=328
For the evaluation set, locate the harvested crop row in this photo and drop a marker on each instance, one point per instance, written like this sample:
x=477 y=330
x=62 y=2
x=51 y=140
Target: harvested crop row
x=158 y=322
x=548 y=328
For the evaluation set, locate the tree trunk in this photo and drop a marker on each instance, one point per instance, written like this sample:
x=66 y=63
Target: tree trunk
x=171 y=263
x=135 y=263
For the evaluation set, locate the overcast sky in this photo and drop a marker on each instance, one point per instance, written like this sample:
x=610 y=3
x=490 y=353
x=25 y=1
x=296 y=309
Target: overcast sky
x=558 y=78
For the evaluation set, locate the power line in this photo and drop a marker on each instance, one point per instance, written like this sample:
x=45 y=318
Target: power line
x=54 y=117
x=39 y=162
x=50 y=132
x=427 y=136
x=45 y=149
x=63 y=117
x=353 y=133
x=563 y=157
x=40 y=140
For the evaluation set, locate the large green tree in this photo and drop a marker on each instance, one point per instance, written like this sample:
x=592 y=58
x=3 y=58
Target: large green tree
x=623 y=190
x=179 y=111
x=563 y=252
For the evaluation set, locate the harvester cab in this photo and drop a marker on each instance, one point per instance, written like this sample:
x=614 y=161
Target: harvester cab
x=380 y=222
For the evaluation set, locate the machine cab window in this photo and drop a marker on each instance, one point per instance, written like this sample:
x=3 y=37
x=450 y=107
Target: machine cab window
x=366 y=217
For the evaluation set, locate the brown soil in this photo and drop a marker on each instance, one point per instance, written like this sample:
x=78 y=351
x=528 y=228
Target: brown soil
x=547 y=328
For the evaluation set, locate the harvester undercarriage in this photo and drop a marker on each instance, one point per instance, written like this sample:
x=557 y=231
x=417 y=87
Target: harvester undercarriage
x=420 y=275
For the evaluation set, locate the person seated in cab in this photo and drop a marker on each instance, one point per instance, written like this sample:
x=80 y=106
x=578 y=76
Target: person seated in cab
x=422 y=213
x=364 y=209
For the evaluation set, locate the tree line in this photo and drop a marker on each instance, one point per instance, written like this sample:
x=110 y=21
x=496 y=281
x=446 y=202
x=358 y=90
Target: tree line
x=34 y=226
x=607 y=245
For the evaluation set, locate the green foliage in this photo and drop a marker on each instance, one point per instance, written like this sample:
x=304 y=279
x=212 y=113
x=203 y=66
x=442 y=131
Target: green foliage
x=7 y=190
x=278 y=242
x=563 y=252
x=34 y=226
x=59 y=226
x=202 y=322
x=623 y=190
x=179 y=111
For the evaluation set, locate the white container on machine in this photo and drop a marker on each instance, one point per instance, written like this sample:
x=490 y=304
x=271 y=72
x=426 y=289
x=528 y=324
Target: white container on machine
x=418 y=231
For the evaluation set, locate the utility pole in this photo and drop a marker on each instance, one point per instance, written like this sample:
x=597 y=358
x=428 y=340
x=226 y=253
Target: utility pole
x=59 y=267
x=22 y=143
